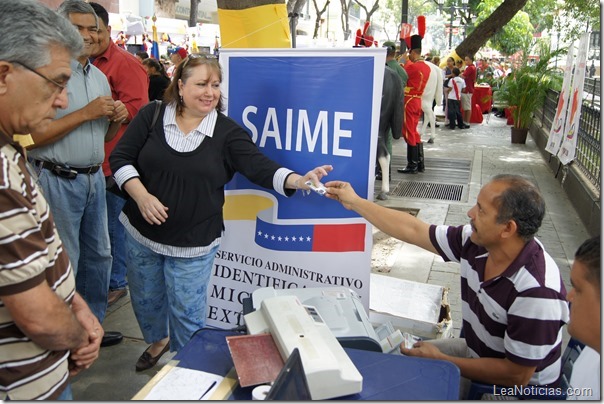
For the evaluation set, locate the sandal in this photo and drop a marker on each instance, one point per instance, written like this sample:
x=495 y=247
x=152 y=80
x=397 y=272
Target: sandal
x=146 y=361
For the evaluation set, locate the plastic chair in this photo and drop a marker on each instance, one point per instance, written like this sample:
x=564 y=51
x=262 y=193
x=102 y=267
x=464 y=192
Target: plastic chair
x=569 y=357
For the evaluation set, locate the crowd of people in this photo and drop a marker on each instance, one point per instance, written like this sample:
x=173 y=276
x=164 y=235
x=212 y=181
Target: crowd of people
x=103 y=201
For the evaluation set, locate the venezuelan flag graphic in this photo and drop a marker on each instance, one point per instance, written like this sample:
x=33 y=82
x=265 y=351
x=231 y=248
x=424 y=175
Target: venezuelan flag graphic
x=289 y=235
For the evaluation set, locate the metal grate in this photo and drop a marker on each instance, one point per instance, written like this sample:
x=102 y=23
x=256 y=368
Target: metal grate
x=429 y=190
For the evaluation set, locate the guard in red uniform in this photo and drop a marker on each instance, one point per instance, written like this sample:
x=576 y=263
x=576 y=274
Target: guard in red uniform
x=418 y=72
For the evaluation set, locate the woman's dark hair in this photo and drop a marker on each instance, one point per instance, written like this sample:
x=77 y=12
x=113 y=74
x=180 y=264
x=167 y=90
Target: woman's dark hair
x=142 y=54
x=521 y=202
x=183 y=72
x=159 y=67
x=589 y=255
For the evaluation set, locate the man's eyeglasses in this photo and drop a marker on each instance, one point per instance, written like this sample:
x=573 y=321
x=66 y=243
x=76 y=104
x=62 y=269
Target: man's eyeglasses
x=60 y=87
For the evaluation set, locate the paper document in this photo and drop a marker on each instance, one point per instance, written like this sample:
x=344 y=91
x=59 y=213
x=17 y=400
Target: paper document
x=185 y=384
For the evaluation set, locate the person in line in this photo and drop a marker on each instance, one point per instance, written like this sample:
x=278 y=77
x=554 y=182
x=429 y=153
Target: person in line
x=514 y=300
x=456 y=86
x=68 y=157
x=47 y=331
x=392 y=63
x=174 y=174
x=448 y=73
x=585 y=320
x=469 y=76
x=141 y=55
x=177 y=55
x=129 y=83
x=418 y=72
x=158 y=78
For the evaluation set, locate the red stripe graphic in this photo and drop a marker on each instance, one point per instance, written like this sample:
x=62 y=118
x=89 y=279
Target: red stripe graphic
x=339 y=237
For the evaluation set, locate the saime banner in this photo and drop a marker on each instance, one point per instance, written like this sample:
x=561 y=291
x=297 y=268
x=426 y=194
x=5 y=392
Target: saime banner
x=557 y=130
x=303 y=108
x=566 y=154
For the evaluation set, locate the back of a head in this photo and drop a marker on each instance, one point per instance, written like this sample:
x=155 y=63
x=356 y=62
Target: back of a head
x=152 y=63
x=390 y=48
x=29 y=29
x=522 y=202
x=589 y=255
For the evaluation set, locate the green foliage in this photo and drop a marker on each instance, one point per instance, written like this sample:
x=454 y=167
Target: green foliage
x=511 y=37
x=525 y=89
x=541 y=13
x=583 y=13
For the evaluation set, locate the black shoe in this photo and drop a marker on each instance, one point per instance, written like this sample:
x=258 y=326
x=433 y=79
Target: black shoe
x=465 y=127
x=146 y=361
x=111 y=338
x=430 y=140
x=452 y=127
x=436 y=125
x=408 y=170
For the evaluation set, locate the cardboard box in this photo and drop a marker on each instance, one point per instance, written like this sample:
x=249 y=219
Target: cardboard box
x=417 y=308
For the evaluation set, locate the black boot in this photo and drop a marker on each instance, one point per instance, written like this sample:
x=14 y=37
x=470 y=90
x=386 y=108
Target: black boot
x=420 y=158
x=412 y=157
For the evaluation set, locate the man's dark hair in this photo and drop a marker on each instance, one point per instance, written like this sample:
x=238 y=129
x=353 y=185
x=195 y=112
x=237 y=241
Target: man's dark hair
x=471 y=57
x=101 y=12
x=588 y=254
x=521 y=202
x=142 y=54
x=456 y=72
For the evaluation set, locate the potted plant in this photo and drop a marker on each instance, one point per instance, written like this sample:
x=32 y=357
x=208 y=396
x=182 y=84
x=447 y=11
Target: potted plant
x=524 y=90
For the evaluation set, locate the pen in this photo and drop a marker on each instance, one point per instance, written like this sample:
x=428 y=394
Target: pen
x=208 y=390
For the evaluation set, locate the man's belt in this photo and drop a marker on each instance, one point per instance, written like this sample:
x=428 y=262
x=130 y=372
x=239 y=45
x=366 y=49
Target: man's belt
x=66 y=172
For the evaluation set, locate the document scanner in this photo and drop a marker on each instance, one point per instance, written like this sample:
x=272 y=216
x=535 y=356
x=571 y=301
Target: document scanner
x=340 y=308
x=329 y=371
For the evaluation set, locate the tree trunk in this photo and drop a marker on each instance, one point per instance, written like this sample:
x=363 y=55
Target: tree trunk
x=486 y=29
x=319 y=14
x=243 y=4
x=165 y=8
x=344 y=18
x=193 y=14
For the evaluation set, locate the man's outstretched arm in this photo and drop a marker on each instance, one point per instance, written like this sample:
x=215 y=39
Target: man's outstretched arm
x=398 y=224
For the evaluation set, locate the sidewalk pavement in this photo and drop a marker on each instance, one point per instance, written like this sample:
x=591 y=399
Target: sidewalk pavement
x=477 y=153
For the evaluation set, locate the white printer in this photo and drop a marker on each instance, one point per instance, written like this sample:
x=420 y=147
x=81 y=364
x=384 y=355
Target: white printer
x=339 y=307
x=328 y=369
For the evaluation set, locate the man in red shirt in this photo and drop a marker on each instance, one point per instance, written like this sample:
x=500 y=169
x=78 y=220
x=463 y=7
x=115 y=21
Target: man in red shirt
x=469 y=76
x=129 y=84
x=418 y=72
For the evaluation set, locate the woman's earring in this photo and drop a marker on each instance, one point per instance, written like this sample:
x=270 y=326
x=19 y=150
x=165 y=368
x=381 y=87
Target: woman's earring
x=181 y=100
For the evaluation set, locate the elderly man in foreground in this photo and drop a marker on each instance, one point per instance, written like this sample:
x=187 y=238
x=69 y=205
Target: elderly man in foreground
x=47 y=331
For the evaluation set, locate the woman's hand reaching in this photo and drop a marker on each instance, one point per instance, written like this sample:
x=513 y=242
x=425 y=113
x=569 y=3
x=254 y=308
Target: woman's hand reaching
x=315 y=175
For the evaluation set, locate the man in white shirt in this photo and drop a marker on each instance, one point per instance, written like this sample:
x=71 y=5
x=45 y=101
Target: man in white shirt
x=584 y=324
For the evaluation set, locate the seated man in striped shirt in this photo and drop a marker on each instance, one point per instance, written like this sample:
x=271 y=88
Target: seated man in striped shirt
x=513 y=297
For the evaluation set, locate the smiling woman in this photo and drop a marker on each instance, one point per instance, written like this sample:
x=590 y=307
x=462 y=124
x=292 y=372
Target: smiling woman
x=175 y=173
